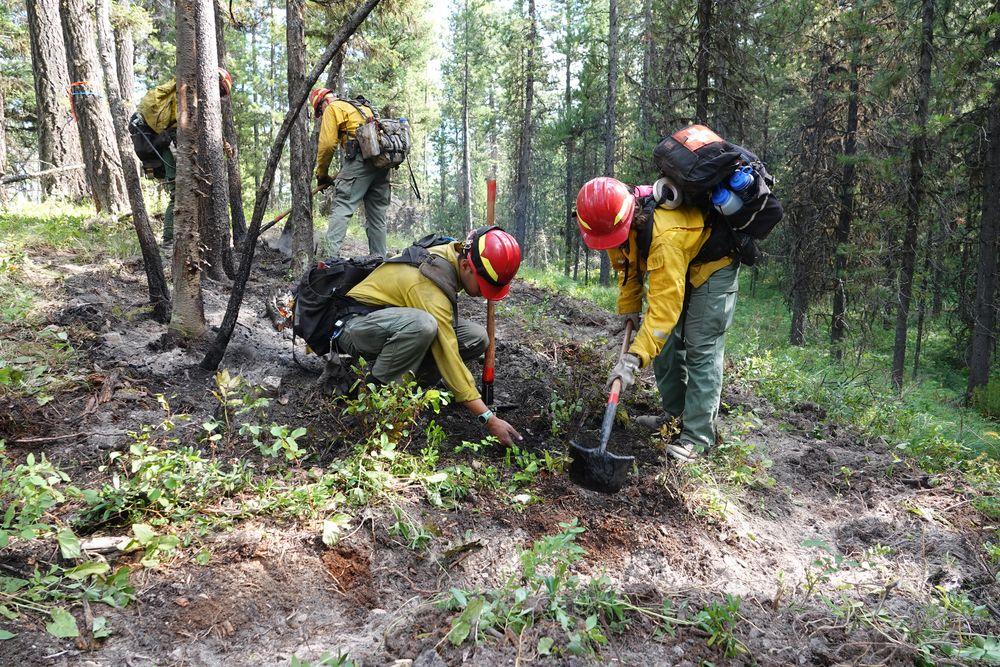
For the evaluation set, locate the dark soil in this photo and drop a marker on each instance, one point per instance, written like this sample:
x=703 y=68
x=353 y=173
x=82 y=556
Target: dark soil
x=272 y=590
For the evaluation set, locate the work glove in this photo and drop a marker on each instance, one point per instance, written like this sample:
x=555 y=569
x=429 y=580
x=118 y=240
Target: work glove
x=625 y=318
x=625 y=369
x=324 y=180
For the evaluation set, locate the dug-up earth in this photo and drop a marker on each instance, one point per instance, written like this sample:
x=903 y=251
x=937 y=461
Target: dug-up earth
x=835 y=547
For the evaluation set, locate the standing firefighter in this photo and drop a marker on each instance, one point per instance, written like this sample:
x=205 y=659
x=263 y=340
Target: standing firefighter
x=409 y=321
x=153 y=127
x=361 y=179
x=690 y=302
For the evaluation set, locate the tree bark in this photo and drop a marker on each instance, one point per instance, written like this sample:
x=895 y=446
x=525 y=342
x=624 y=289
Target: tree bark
x=522 y=184
x=188 y=316
x=230 y=138
x=466 y=151
x=97 y=136
x=213 y=195
x=58 y=139
x=159 y=293
x=609 y=117
x=3 y=136
x=125 y=53
x=984 y=311
x=301 y=158
x=915 y=191
x=838 y=325
x=569 y=195
x=702 y=59
x=214 y=356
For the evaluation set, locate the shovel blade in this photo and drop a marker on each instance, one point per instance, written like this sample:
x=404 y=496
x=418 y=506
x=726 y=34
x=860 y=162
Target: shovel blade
x=597 y=470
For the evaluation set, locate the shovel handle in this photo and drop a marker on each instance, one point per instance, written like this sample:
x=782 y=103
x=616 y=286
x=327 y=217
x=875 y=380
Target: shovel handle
x=616 y=387
x=489 y=362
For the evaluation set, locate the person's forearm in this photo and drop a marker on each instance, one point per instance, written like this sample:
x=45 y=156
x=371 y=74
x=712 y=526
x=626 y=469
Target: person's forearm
x=476 y=407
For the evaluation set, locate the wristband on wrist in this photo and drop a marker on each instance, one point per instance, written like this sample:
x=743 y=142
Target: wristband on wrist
x=485 y=417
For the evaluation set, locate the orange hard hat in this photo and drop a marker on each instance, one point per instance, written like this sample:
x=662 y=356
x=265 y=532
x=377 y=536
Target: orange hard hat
x=317 y=96
x=604 y=210
x=495 y=257
x=225 y=82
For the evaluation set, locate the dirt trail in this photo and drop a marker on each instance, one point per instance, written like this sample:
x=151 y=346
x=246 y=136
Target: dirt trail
x=272 y=589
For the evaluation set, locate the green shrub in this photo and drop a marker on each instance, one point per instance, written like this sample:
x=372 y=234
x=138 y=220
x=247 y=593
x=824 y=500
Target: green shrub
x=986 y=399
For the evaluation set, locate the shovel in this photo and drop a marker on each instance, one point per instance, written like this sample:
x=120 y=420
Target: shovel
x=596 y=468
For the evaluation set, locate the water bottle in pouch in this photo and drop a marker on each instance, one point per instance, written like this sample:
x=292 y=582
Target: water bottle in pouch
x=725 y=200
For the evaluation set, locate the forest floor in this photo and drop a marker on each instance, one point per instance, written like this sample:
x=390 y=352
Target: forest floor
x=235 y=539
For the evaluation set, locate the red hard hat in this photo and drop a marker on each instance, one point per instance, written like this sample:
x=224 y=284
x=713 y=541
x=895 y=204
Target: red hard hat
x=495 y=257
x=317 y=96
x=604 y=210
x=225 y=81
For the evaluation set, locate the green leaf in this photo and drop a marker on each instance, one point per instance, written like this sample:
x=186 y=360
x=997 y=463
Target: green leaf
x=69 y=544
x=101 y=628
x=545 y=645
x=63 y=624
x=4 y=635
x=591 y=622
x=333 y=527
x=436 y=478
x=87 y=569
x=143 y=533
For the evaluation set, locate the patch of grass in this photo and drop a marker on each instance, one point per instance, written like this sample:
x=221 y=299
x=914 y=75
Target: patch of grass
x=550 y=278
x=27 y=227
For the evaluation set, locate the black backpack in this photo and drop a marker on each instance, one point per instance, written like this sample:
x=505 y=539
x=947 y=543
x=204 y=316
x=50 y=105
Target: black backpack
x=321 y=301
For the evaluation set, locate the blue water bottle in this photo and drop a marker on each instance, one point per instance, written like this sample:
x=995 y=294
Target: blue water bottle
x=725 y=200
x=741 y=182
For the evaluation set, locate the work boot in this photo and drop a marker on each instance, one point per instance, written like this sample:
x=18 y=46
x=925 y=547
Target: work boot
x=653 y=422
x=683 y=452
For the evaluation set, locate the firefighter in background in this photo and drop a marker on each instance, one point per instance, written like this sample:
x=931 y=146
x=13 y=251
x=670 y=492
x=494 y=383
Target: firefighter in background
x=358 y=181
x=153 y=127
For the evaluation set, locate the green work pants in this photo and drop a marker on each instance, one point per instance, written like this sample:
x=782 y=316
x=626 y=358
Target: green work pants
x=359 y=182
x=170 y=169
x=399 y=341
x=689 y=368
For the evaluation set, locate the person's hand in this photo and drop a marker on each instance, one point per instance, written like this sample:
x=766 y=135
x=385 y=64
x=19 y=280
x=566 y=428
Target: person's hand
x=503 y=431
x=324 y=181
x=625 y=318
x=624 y=369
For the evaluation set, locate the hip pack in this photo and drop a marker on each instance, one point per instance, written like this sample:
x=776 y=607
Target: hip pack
x=383 y=142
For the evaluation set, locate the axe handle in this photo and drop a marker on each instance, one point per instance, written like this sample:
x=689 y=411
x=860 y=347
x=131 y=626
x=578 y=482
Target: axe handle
x=489 y=362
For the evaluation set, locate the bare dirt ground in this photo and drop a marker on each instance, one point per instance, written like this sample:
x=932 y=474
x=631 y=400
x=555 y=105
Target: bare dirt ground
x=890 y=540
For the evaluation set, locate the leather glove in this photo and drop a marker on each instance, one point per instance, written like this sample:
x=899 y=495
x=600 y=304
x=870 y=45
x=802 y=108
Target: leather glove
x=624 y=369
x=624 y=318
x=324 y=180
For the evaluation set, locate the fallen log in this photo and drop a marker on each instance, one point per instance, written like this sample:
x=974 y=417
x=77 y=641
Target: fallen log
x=16 y=178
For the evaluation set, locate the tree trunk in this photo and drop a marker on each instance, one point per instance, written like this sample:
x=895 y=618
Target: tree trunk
x=522 y=184
x=213 y=190
x=214 y=356
x=569 y=195
x=58 y=139
x=609 y=117
x=97 y=136
x=159 y=293
x=984 y=311
x=838 y=325
x=3 y=136
x=188 y=316
x=702 y=59
x=918 y=147
x=466 y=151
x=301 y=158
x=230 y=138
x=125 y=52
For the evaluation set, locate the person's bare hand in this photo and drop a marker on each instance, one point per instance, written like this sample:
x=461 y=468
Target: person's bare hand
x=503 y=431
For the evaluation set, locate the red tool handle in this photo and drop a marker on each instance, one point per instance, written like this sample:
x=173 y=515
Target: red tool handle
x=616 y=388
x=489 y=362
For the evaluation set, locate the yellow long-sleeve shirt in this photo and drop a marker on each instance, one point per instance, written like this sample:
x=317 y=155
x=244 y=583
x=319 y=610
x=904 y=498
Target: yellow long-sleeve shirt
x=678 y=236
x=340 y=120
x=158 y=107
x=403 y=285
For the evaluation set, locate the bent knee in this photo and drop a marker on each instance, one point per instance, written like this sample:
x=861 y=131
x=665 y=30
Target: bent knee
x=424 y=326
